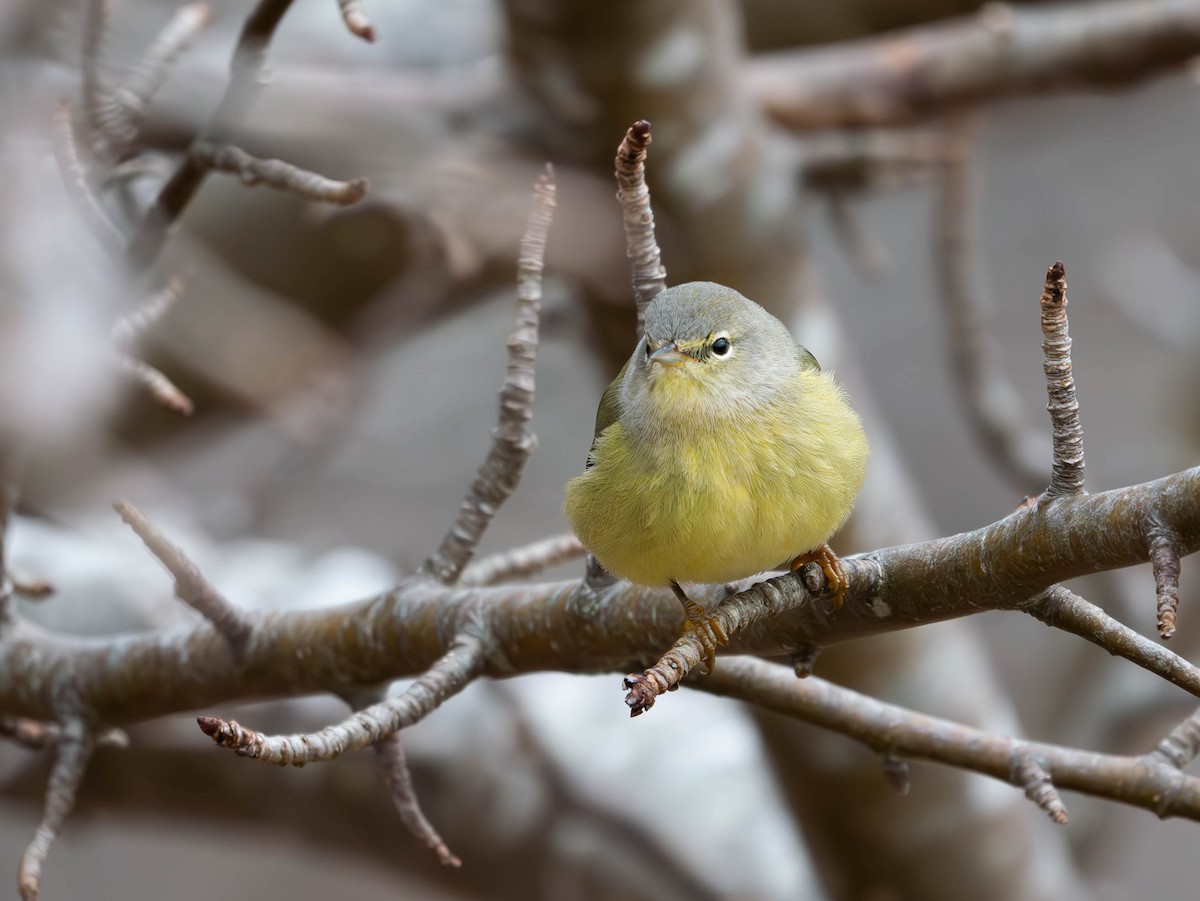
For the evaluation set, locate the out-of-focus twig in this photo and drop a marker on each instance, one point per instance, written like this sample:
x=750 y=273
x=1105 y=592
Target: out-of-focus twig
x=512 y=440
x=126 y=329
x=1001 y=51
x=252 y=170
x=355 y=17
x=986 y=394
x=79 y=188
x=37 y=735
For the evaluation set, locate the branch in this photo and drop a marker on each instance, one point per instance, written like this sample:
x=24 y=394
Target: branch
x=404 y=796
x=1182 y=745
x=252 y=170
x=649 y=276
x=512 y=440
x=1067 y=475
x=148 y=73
x=126 y=329
x=1147 y=781
x=190 y=585
x=568 y=627
x=73 y=750
x=1001 y=51
x=446 y=678
x=523 y=561
x=38 y=736
x=355 y=17
x=991 y=403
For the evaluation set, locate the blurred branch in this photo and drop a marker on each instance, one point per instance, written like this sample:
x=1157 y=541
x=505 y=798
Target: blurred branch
x=126 y=329
x=999 y=52
x=210 y=149
x=1034 y=767
x=355 y=17
x=992 y=405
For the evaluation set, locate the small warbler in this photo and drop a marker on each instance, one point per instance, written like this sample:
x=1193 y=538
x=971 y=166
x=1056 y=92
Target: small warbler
x=721 y=450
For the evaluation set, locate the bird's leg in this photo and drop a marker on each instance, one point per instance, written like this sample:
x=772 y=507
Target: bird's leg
x=831 y=565
x=704 y=627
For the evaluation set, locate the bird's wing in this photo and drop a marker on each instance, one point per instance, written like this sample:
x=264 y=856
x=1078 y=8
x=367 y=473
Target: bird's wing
x=608 y=412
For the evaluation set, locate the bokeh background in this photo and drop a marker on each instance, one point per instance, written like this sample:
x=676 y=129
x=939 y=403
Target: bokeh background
x=344 y=363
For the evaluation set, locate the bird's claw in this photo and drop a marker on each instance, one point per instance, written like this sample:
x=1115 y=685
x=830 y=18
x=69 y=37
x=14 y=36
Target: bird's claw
x=708 y=631
x=836 y=581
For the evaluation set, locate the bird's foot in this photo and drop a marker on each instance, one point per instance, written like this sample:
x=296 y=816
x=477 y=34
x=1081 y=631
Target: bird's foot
x=705 y=628
x=832 y=566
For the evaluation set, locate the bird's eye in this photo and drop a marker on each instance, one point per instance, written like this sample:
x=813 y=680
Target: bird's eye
x=721 y=347
x=648 y=350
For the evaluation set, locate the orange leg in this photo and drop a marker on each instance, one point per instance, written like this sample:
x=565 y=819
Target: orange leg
x=831 y=565
x=703 y=626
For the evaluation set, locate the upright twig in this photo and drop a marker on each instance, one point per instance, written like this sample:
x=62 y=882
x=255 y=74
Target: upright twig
x=1066 y=478
x=79 y=187
x=72 y=752
x=991 y=403
x=355 y=17
x=446 y=678
x=190 y=585
x=512 y=440
x=649 y=276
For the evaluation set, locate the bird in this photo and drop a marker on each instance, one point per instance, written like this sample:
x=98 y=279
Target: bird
x=721 y=450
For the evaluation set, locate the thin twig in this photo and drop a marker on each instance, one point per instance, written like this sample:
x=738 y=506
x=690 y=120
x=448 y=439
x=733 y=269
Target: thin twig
x=249 y=57
x=395 y=770
x=278 y=174
x=355 y=17
x=95 y=93
x=512 y=440
x=79 y=188
x=1147 y=782
x=148 y=73
x=1066 y=477
x=1164 y=558
x=649 y=275
x=1062 y=609
x=991 y=403
x=446 y=678
x=520 y=562
x=1028 y=773
x=127 y=328
x=1182 y=744
x=156 y=383
x=37 y=735
x=897 y=772
x=29 y=586
x=190 y=585
x=72 y=752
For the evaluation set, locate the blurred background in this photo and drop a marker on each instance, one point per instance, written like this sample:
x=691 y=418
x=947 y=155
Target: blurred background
x=343 y=363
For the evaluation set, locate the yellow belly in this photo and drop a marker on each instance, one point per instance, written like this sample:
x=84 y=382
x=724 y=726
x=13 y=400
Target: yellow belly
x=718 y=504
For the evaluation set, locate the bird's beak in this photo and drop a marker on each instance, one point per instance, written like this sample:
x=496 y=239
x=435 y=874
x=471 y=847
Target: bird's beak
x=669 y=355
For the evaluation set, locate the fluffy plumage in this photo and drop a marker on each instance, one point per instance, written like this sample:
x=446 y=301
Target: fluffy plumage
x=708 y=466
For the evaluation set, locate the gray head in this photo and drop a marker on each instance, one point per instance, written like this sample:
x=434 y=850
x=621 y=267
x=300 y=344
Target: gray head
x=711 y=352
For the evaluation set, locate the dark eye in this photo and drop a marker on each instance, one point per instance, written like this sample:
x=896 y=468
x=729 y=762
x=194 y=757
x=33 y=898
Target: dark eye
x=721 y=346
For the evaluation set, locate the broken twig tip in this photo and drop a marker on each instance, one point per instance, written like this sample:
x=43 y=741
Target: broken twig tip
x=641 y=130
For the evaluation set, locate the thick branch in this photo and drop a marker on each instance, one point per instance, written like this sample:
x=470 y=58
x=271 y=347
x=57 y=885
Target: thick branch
x=1147 y=781
x=512 y=440
x=649 y=275
x=1001 y=51
x=446 y=678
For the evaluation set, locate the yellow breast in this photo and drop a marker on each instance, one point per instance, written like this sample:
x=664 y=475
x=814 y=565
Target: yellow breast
x=714 y=502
